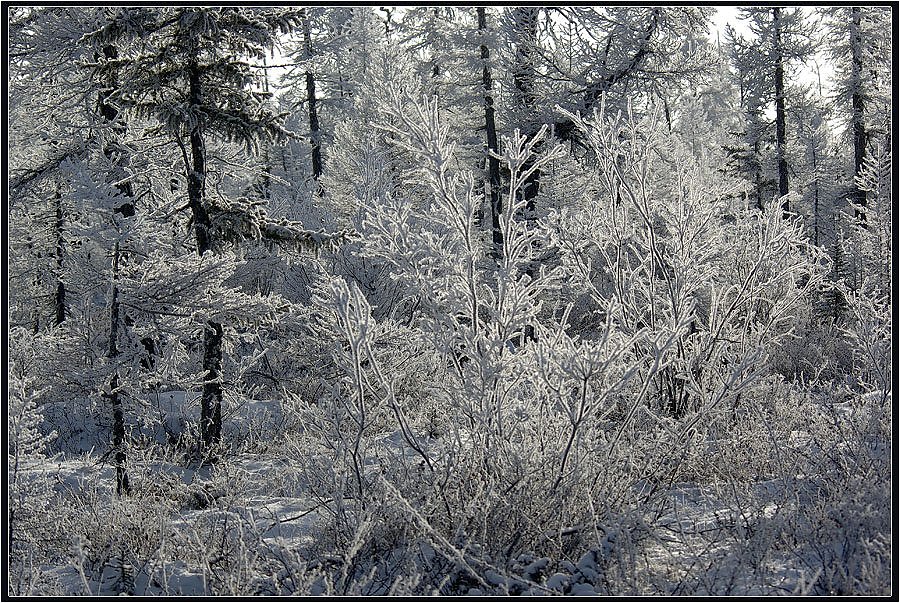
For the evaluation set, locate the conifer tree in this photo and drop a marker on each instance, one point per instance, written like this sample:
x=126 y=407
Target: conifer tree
x=190 y=70
x=782 y=37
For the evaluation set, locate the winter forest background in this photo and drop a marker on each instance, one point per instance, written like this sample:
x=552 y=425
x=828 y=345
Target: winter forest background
x=437 y=300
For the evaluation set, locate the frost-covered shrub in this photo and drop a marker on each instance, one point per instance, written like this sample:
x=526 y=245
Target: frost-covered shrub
x=668 y=239
x=29 y=488
x=540 y=429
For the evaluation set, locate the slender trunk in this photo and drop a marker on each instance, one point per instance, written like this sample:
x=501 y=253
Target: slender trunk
x=196 y=171
x=815 y=184
x=117 y=153
x=114 y=150
x=314 y=136
x=526 y=19
x=780 y=116
x=266 y=183
x=859 y=128
x=211 y=398
x=435 y=66
x=758 y=174
x=388 y=14
x=60 y=299
x=492 y=142
x=122 y=485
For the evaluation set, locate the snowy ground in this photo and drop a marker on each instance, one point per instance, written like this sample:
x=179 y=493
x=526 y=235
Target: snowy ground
x=698 y=539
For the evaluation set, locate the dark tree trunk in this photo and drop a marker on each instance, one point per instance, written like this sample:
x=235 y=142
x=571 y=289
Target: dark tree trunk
x=196 y=171
x=314 y=134
x=116 y=152
x=757 y=172
x=266 y=183
x=492 y=142
x=122 y=485
x=60 y=298
x=435 y=66
x=211 y=399
x=815 y=184
x=859 y=128
x=780 y=116
x=526 y=20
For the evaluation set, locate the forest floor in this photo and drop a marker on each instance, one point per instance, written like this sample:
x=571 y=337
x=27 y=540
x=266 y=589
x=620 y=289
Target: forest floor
x=711 y=538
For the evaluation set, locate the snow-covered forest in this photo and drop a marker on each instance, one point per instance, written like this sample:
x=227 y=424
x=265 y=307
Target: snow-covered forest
x=364 y=300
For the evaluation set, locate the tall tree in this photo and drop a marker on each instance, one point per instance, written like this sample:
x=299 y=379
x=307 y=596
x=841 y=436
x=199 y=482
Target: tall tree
x=859 y=42
x=780 y=117
x=116 y=152
x=314 y=134
x=490 y=127
x=188 y=69
x=858 y=104
x=525 y=35
x=781 y=37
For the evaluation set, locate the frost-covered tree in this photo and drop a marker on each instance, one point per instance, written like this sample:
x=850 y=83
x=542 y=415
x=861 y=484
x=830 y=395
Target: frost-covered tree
x=781 y=37
x=190 y=69
x=858 y=43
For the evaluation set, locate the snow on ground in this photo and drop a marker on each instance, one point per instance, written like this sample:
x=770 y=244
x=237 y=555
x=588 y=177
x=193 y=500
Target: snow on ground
x=701 y=540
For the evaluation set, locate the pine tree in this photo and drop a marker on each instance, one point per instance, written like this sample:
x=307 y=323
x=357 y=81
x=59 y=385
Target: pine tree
x=781 y=37
x=859 y=43
x=189 y=70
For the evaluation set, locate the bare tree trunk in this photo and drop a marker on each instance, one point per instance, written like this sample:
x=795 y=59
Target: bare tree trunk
x=122 y=485
x=859 y=128
x=760 y=203
x=526 y=19
x=196 y=177
x=492 y=142
x=815 y=184
x=314 y=134
x=780 y=115
x=60 y=298
x=211 y=398
x=266 y=182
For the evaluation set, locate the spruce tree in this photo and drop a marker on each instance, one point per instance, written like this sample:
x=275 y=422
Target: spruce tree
x=190 y=69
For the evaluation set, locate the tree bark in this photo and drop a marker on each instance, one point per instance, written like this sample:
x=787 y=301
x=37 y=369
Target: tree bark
x=815 y=185
x=757 y=173
x=314 y=134
x=526 y=19
x=780 y=115
x=211 y=398
x=122 y=484
x=115 y=151
x=265 y=184
x=60 y=298
x=859 y=128
x=196 y=176
x=492 y=142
